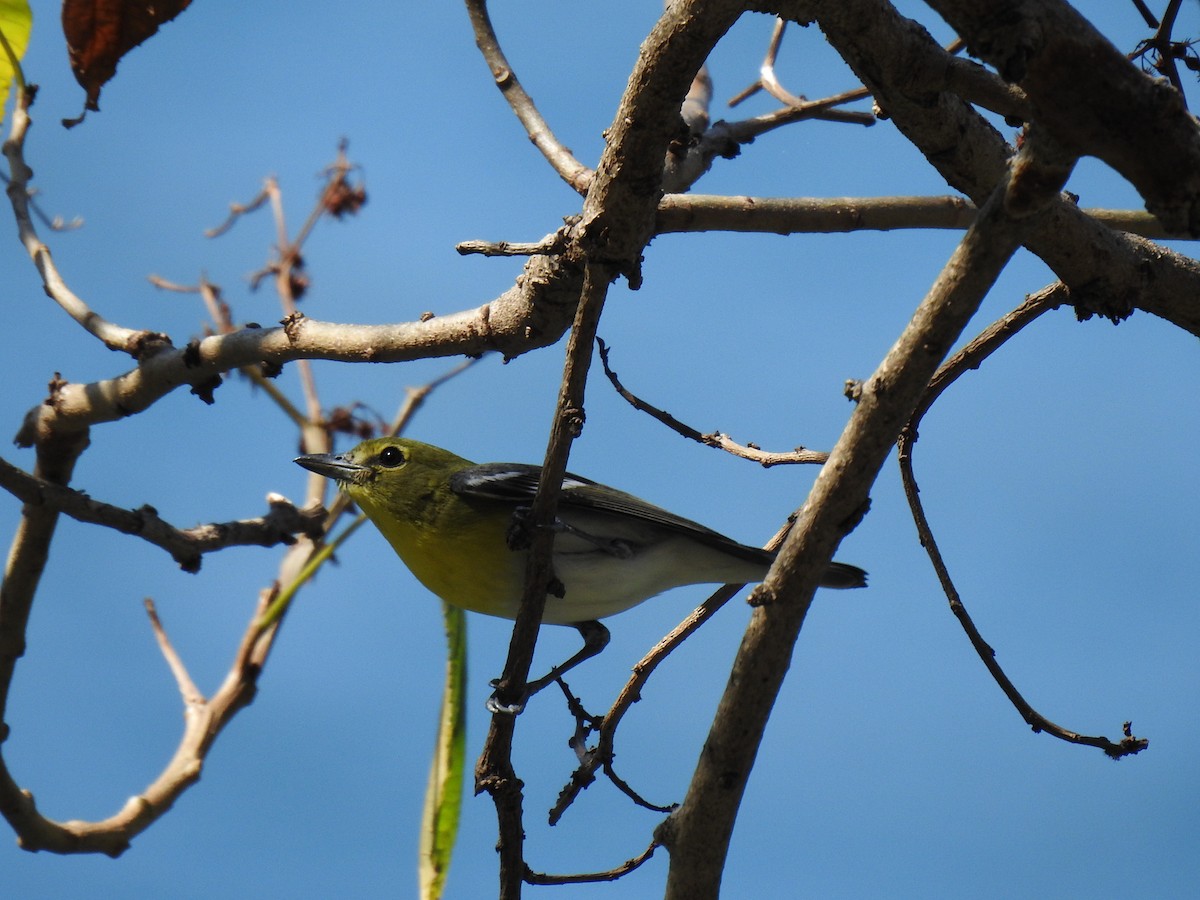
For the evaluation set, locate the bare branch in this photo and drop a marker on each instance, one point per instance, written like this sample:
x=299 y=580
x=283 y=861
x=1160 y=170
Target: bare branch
x=601 y=756
x=768 y=81
x=54 y=223
x=236 y=211
x=571 y=170
x=23 y=570
x=532 y=877
x=791 y=215
x=203 y=722
x=1136 y=124
x=881 y=46
x=137 y=343
x=834 y=215
x=725 y=139
x=494 y=771
x=712 y=439
x=1159 y=51
x=697 y=834
x=553 y=243
x=968 y=359
x=186 y=545
x=187 y=688
x=527 y=316
x=618 y=218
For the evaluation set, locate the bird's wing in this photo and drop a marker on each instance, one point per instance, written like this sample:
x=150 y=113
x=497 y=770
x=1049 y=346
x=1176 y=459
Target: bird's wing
x=602 y=513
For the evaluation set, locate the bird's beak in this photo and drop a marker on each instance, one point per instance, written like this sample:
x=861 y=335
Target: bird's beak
x=332 y=466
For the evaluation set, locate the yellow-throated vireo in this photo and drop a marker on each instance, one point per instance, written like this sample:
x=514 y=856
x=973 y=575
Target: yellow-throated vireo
x=449 y=519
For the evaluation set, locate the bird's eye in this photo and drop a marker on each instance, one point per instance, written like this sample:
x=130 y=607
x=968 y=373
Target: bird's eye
x=391 y=457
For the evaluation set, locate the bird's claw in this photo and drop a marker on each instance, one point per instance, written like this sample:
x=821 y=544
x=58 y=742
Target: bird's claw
x=498 y=708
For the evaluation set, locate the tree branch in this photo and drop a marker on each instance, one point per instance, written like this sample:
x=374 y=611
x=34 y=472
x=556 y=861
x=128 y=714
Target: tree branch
x=968 y=359
x=697 y=834
x=22 y=573
x=837 y=215
x=203 y=722
x=139 y=344
x=1109 y=274
x=1138 y=125
x=529 y=315
x=571 y=170
x=186 y=545
x=601 y=756
x=494 y=771
x=711 y=439
x=617 y=222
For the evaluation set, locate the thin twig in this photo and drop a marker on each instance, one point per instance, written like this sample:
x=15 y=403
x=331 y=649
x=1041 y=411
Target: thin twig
x=336 y=198
x=54 y=223
x=589 y=760
x=712 y=439
x=236 y=211
x=415 y=397
x=768 y=81
x=571 y=170
x=967 y=359
x=187 y=688
x=601 y=756
x=288 y=283
x=963 y=77
x=1161 y=49
x=551 y=243
x=532 y=877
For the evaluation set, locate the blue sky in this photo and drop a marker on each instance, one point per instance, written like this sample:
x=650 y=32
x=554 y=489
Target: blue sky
x=1060 y=479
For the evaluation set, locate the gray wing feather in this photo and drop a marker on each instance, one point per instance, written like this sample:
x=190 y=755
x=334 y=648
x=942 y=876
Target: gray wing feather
x=602 y=512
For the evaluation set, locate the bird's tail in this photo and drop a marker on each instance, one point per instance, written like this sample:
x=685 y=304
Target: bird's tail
x=842 y=576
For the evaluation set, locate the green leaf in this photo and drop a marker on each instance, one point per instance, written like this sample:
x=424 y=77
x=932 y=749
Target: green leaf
x=16 y=21
x=443 y=794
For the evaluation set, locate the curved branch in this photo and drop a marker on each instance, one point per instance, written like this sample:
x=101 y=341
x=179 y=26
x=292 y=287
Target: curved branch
x=712 y=439
x=532 y=314
x=967 y=359
x=532 y=877
x=571 y=170
x=137 y=343
x=769 y=81
x=22 y=574
x=204 y=719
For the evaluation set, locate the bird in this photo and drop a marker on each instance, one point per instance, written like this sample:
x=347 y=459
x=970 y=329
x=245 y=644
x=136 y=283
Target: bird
x=451 y=522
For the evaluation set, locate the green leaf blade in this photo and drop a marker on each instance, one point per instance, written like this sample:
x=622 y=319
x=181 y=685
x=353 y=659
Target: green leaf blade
x=443 y=794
